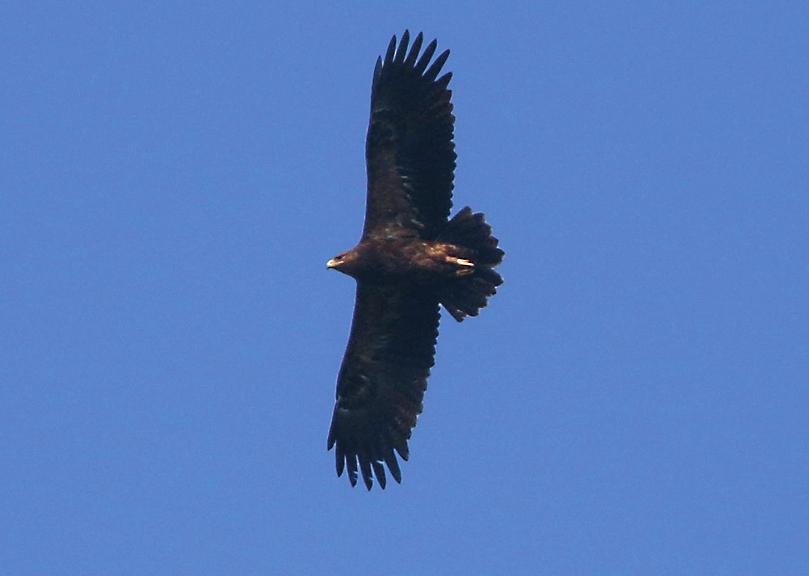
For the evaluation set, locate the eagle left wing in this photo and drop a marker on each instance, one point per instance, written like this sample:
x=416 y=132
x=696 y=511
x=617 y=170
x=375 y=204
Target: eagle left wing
x=409 y=150
x=383 y=378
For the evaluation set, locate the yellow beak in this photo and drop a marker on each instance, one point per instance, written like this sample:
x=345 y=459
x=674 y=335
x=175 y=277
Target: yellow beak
x=331 y=263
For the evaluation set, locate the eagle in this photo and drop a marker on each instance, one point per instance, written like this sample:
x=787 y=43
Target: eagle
x=411 y=259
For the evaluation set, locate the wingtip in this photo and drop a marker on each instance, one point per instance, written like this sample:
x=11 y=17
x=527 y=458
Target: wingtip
x=421 y=65
x=391 y=50
x=365 y=468
x=402 y=450
x=393 y=466
x=436 y=66
x=379 y=472
x=414 y=50
x=402 y=50
x=339 y=462
x=332 y=438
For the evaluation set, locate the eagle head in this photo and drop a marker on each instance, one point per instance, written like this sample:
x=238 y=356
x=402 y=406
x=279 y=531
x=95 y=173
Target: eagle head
x=347 y=262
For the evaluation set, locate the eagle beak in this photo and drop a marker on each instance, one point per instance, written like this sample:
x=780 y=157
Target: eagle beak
x=331 y=263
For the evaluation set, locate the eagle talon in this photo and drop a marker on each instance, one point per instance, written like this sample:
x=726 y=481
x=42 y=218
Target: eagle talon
x=465 y=267
x=459 y=261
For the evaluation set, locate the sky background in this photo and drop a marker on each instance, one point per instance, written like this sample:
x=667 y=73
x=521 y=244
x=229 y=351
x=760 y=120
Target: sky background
x=633 y=401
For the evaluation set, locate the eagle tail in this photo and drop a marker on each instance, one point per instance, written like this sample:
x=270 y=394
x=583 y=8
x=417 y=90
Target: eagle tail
x=466 y=294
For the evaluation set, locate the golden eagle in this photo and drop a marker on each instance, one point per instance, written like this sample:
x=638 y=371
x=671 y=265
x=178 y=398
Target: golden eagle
x=410 y=259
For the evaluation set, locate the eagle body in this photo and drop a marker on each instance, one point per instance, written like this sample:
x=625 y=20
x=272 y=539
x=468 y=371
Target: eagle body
x=411 y=260
x=404 y=260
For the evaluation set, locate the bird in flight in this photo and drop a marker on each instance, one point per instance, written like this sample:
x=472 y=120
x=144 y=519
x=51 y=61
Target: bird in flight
x=411 y=259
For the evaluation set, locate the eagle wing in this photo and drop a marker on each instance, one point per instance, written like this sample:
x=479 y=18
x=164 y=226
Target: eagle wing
x=383 y=378
x=409 y=150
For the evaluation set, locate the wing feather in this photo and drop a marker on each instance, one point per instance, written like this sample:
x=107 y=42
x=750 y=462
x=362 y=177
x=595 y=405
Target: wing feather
x=383 y=377
x=391 y=50
x=400 y=53
x=425 y=58
x=410 y=153
x=414 y=50
x=436 y=66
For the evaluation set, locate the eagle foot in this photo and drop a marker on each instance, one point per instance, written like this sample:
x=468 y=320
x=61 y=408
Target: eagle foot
x=466 y=267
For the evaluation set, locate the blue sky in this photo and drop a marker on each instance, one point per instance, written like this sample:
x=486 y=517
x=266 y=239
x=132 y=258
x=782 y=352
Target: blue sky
x=633 y=401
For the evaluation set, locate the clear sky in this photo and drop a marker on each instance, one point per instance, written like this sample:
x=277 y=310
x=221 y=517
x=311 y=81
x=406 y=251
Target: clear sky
x=633 y=401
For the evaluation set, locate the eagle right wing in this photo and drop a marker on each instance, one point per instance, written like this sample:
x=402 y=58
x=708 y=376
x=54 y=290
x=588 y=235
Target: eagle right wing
x=383 y=378
x=409 y=150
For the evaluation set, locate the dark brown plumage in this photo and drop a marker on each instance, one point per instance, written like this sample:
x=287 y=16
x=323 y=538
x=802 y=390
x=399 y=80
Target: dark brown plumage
x=410 y=259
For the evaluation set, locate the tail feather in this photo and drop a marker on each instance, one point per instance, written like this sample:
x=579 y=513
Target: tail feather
x=466 y=295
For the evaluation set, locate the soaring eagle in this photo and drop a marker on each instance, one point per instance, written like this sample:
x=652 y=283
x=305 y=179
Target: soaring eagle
x=410 y=259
